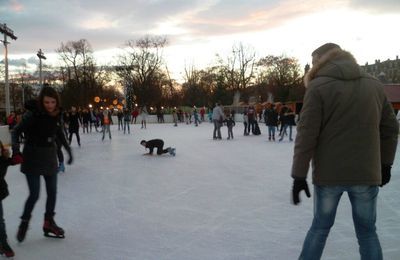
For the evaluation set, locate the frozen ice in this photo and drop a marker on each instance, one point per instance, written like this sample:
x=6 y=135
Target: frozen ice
x=224 y=199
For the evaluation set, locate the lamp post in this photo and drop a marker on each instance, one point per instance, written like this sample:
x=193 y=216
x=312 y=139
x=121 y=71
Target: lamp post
x=41 y=56
x=7 y=32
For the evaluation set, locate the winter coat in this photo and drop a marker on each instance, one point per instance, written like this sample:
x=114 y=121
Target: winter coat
x=230 y=122
x=73 y=123
x=251 y=114
x=85 y=117
x=4 y=163
x=347 y=126
x=271 y=117
x=127 y=116
x=40 y=150
x=108 y=121
x=155 y=143
x=218 y=114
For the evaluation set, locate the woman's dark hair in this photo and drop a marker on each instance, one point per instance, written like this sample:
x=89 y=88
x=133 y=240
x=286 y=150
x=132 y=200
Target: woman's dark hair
x=48 y=92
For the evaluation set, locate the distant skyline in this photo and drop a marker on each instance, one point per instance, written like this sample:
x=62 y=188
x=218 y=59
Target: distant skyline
x=197 y=30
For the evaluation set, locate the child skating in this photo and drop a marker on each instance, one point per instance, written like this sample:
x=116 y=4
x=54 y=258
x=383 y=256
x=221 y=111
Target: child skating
x=230 y=123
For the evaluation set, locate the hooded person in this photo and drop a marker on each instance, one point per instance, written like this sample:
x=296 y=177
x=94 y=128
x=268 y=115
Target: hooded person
x=348 y=129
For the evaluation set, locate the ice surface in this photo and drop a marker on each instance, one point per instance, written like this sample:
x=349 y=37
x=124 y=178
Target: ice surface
x=227 y=199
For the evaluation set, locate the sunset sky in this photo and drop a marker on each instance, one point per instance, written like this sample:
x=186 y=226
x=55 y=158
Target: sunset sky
x=198 y=29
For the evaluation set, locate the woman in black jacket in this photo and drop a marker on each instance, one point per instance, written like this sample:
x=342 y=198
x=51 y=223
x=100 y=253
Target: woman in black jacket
x=41 y=126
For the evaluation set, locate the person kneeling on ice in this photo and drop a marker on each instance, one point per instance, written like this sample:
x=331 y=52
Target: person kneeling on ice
x=159 y=144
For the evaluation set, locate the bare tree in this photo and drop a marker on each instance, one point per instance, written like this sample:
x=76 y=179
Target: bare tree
x=239 y=67
x=80 y=73
x=141 y=66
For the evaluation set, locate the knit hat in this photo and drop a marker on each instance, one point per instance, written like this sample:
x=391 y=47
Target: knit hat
x=325 y=48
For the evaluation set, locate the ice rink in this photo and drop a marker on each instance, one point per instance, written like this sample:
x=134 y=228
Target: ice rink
x=216 y=200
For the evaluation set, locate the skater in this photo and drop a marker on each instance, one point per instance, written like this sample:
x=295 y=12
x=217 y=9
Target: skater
x=74 y=121
x=106 y=121
x=202 y=113
x=271 y=120
x=175 y=117
x=159 y=144
x=5 y=161
x=120 y=116
x=196 y=116
x=93 y=119
x=85 y=120
x=252 y=117
x=127 y=120
x=143 y=115
x=41 y=128
x=287 y=122
x=135 y=114
x=230 y=123
x=218 y=117
x=245 y=122
x=345 y=156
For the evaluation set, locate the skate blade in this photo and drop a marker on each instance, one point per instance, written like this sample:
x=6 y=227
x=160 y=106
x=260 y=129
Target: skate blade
x=5 y=255
x=54 y=235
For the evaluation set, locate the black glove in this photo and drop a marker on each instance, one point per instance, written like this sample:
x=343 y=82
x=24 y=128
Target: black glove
x=70 y=157
x=385 y=174
x=298 y=186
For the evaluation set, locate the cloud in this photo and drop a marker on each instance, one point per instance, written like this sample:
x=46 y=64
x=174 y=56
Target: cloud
x=21 y=62
x=373 y=6
x=109 y=24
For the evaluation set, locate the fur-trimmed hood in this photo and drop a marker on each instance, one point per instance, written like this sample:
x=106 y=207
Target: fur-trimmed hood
x=336 y=63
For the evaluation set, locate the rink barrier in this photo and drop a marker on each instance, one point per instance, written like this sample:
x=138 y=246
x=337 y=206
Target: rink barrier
x=151 y=119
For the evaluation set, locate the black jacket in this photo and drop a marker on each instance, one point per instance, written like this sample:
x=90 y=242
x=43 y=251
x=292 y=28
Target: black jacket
x=40 y=150
x=271 y=117
x=155 y=143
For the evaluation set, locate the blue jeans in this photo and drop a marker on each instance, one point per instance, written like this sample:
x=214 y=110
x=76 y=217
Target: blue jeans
x=283 y=132
x=271 y=131
x=363 y=202
x=34 y=191
x=217 y=129
x=126 y=125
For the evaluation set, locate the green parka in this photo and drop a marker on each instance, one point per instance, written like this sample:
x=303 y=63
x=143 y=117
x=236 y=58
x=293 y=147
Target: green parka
x=347 y=127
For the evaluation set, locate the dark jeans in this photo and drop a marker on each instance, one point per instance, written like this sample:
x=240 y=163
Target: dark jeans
x=34 y=191
x=77 y=136
x=217 y=129
x=230 y=132
x=126 y=125
x=250 y=126
x=161 y=150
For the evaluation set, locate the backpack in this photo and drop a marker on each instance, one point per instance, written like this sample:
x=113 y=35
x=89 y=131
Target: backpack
x=256 y=130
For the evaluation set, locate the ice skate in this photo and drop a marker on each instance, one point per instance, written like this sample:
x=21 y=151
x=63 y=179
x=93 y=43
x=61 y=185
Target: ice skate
x=173 y=151
x=23 y=227
x=51 y=229
x=5 y=249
